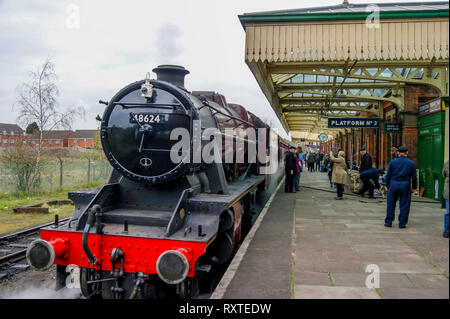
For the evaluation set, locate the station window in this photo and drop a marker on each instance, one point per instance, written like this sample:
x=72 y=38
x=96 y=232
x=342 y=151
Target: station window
x=85 y=141
x=75 y=141
x=5 y=141
x=12 y=141
x=12 y=132
x=57 y=141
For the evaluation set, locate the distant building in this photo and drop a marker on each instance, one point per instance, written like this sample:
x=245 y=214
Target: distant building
x=56 y=139
x=11 y=134
x=83 y=138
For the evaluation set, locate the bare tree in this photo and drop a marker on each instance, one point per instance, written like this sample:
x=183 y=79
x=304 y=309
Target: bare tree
x=38 y=103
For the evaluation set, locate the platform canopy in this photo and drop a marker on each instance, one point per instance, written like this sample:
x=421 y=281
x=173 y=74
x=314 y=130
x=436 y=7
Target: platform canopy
x=345 y=60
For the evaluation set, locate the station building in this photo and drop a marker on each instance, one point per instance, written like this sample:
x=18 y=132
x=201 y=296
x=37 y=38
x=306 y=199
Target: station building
x=387 y=61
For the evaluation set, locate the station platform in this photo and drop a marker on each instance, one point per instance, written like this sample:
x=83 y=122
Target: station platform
x=307 y=245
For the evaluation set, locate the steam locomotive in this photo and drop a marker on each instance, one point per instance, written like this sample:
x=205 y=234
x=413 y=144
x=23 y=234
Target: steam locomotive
x=161 y=228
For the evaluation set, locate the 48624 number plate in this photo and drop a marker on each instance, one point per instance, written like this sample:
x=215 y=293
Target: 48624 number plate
x=148 y=118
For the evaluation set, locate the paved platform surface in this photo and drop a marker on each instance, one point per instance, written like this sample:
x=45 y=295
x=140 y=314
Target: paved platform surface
x=309 y=245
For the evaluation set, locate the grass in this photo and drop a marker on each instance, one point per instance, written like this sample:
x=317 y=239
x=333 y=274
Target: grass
x=11 y=221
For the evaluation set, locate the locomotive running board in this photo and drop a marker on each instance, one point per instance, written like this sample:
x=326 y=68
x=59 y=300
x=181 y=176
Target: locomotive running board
x=208 y=203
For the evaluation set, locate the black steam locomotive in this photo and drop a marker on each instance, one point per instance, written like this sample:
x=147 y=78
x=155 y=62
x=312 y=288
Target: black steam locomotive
x=161 y=227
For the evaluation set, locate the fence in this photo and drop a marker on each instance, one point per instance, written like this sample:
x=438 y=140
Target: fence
x=74 y=173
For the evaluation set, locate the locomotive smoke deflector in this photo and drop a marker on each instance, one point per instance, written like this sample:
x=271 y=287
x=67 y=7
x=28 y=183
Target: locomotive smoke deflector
x=173 y=74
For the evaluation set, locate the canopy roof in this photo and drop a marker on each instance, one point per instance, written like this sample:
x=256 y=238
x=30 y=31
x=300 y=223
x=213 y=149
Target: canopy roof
x=321 y=62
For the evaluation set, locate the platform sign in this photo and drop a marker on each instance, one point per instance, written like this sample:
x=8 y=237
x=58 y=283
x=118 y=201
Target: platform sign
x=391 y=127
x=357 y=122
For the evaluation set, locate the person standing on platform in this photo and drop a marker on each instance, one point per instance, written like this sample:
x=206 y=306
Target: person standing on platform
x=311 y=159
x=297 y=176
x=339 y=174
x=401 y=182
x=290 y=169
x=318 y=162
x=371 y=181
x=366 y=163
x=330 y=170
x=394 y=153
x=301 y=155
x=445 y=174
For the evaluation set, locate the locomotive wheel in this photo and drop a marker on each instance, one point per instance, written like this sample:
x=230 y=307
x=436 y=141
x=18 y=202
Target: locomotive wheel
x=90 y=291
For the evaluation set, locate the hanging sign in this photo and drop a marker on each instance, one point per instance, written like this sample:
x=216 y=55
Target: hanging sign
x=434 y=106
x=391 y=127
x=357 y=122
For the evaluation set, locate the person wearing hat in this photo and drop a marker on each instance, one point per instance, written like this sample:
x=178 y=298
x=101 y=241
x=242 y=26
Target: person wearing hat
x=366 y=163
x=370 y=179
x=401 y=182
x=366 y=160
x=290 y=169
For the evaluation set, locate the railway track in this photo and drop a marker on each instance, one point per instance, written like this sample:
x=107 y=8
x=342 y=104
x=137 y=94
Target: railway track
x=13 y=246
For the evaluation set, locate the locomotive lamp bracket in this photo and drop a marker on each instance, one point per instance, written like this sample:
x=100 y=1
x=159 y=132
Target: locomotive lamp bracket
x=147 y=88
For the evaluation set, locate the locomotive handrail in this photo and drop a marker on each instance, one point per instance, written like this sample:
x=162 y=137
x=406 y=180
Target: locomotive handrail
x=127 y=105
x=227 y=115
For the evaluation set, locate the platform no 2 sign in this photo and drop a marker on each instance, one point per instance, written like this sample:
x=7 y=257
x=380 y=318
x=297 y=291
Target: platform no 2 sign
x=357 y=122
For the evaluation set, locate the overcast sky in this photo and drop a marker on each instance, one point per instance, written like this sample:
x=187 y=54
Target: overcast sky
x=118 y=42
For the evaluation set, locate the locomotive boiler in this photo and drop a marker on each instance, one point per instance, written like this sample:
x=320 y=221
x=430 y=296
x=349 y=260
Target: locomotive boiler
x=162 y=227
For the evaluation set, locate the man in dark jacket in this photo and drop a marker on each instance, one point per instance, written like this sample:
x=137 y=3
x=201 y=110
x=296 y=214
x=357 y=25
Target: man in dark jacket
x=401 y=182
x=290 y=167
x=366 y=163
x=370 y=181
x=311 y=160
x=366 y=160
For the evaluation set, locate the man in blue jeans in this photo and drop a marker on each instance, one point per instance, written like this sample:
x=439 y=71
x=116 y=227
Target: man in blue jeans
x=445 y=174
x=401 y=182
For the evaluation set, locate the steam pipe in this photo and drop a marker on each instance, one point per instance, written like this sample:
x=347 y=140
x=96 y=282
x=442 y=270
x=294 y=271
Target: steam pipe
x=84 y=240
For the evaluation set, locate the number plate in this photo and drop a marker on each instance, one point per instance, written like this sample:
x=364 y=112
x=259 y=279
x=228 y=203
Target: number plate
x=148 y=118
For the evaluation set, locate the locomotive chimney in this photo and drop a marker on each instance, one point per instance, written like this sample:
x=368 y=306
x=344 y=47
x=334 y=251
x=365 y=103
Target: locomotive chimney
x=173 y=74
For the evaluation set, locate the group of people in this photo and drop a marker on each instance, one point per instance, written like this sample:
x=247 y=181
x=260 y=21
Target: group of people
x=314 y=160
x=400 y=180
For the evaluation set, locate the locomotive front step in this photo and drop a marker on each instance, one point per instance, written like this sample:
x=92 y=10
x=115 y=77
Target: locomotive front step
x=143 y=217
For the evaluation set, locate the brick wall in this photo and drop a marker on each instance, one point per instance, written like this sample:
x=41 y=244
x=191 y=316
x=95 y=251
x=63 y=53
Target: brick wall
x=80 y=142
x=409 y=138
